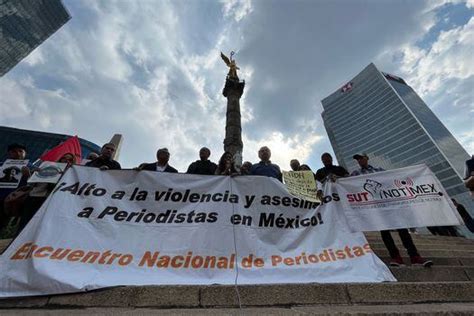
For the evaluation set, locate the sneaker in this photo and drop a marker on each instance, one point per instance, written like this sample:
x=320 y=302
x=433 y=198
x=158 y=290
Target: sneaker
x=418 y=260
x=396 y=262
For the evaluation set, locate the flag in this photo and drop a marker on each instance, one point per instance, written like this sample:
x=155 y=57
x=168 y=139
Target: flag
x=347 y=87
x=70 y=146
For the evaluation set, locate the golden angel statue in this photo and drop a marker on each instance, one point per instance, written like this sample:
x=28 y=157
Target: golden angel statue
x=232 y=66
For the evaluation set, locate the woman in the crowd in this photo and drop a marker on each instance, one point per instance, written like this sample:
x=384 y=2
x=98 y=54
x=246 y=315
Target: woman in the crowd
x=226 y=165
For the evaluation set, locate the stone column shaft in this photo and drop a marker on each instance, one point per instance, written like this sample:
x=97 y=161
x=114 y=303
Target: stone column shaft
x=233 y=90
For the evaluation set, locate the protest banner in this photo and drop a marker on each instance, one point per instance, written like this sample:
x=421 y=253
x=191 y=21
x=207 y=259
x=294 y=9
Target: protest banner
x=400 y=198
x=301 y=184
x=10 y=173
x=123 y=227
x=48 y=172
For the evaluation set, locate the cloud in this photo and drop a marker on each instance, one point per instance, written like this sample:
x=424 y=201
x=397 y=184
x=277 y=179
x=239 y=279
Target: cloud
x=236 y=9
x=152 y=72
x=449 y=57
x=467 y=138
x=443 y=75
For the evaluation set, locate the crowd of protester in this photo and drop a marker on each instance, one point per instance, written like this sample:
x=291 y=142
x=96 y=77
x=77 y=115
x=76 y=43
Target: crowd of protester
x=21 y=204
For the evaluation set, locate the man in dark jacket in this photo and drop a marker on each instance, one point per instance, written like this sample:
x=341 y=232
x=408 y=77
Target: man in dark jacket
x=265 y=167
x=329 y=171
x=105 y=161
x=204 y=165
x=161 y=165
x=14 y=152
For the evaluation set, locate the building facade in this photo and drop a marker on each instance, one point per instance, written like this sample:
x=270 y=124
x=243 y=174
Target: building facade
x=379 y=114
x=37 y=143
x=24 y=25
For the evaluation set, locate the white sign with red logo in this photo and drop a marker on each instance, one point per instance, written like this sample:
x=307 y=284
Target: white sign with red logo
x=406 y=197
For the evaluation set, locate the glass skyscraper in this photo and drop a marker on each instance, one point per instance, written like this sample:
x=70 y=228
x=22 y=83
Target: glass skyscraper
x=24 y=25
x=379 y=114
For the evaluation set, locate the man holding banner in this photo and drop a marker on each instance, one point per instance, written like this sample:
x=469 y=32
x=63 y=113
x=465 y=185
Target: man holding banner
x=415 y=258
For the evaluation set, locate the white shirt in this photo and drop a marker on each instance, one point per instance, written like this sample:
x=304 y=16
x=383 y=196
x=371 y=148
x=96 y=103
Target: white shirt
x=161 y=168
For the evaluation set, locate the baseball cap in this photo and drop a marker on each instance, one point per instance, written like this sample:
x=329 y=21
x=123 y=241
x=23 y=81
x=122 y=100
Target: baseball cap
x=358 y=156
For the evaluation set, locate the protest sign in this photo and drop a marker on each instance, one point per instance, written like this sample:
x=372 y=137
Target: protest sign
x=49 y=172
x=124 y=227
x=301 y=184
x=400 y=198
x=10 y=173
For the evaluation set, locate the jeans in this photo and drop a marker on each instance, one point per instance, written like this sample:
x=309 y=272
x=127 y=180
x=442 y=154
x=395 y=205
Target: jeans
x=406 y=240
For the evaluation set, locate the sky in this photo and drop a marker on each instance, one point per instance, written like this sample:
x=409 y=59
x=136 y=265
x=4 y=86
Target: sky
x=151 y=71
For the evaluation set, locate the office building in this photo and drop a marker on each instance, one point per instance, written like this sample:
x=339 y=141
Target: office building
x=37 y=143
x=24 y=25
x=380 y=114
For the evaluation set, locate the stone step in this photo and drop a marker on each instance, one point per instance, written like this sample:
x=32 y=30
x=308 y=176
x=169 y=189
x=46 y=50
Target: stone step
x=439 y=261
x=433 y=274
x=468 y=248
x=428 y=239
x=376 y=235
x=277 y=295
x=435 y=309
x=432 y=253
x=426 y=243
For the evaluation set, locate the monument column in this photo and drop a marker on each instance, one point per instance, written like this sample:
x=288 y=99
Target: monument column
x=233 y=90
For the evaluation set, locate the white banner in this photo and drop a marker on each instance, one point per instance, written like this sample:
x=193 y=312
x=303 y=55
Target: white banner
x=124 y=227
x=400 y=198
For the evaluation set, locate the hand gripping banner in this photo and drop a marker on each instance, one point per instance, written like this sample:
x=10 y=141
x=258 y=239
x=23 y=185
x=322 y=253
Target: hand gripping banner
x=108 y=228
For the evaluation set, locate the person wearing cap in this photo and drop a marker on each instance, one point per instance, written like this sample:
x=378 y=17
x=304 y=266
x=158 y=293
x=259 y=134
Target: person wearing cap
x=105 y=161
x=407 y=241
x=161 y=165
x=365 y=168
x=203 y=165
